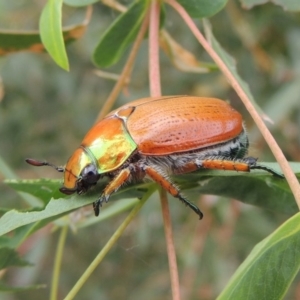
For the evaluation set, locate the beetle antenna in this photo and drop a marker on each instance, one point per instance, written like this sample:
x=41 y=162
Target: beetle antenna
x=38 y=163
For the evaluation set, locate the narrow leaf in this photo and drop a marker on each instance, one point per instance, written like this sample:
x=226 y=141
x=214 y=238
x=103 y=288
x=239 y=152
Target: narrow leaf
x=270 y=268
x=44 y=189
x=202 y=8
x=57 y=208
x=51 y=32
x=119 y=35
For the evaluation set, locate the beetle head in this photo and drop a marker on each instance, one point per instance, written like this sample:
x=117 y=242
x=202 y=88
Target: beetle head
x=80 y=173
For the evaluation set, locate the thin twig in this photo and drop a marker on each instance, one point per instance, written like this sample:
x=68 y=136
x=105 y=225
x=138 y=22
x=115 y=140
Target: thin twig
x=110 y=243
x=57 y=262
x=154 y=72
x=170 y=245
x=290 y=176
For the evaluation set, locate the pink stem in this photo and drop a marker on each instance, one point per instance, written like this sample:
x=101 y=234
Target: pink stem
x=155 y=91
x=170 y=246
x=154 y=72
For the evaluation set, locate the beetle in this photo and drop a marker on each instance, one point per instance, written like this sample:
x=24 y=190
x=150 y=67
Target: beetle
x=155 y=137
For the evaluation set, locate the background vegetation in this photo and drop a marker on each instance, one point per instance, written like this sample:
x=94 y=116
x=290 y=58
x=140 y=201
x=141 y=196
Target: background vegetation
x=45 y=111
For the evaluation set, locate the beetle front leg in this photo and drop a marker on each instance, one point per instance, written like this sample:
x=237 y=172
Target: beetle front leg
x=171 y=188
x=112 y=187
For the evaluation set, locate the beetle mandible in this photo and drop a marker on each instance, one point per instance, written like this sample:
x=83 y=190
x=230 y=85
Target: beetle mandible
x=155 y=137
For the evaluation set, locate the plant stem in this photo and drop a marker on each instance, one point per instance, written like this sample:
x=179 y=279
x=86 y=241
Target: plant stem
x=290 y=176
x=155 y=91
x=170 y=245
x=154 y=72
x=57 y=262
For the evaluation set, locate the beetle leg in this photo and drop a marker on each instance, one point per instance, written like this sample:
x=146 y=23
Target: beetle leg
x=226 y=164
x=165 y=183
x=218 y=163
x=240 y=165
x=112 y=187
x=253 y=165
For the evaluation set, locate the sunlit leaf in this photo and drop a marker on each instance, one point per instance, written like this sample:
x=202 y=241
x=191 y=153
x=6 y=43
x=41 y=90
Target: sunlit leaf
x=51 y=32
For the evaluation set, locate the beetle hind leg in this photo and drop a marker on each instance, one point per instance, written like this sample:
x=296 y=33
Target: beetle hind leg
x=165 y=183
x=224 y=163
x=112 y=187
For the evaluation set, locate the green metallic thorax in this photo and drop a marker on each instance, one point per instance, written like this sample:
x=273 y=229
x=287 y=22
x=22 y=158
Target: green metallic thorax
x=108 y=144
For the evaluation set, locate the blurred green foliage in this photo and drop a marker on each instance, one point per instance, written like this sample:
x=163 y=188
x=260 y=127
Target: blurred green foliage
x=46 y=111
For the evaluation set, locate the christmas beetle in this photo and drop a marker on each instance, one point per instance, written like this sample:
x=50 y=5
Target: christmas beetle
x=155 y=137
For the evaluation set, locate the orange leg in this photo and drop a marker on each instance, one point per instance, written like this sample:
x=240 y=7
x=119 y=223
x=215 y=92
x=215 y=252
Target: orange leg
x=217 y=163
x=112 y=187
x=240 y=165
x=171 y=188
x=230 y=165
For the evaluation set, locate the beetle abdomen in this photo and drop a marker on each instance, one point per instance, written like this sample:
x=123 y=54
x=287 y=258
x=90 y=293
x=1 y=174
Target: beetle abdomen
x=182 y=124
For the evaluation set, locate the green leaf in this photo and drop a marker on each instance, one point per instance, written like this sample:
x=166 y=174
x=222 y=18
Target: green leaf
x=15 y=41
x=262 y=191
x=9 y=173
x=78 y=3
x=51 y=32
x=45 y=189
x=270 y=268
x=9 y=257
x=119 y=35
x=6 y=288
x=202 y=8
x=60 y=207
x=257 y=188
x=289 y=5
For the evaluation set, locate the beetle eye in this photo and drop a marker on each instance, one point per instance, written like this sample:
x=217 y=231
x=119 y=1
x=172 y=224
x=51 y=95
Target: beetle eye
x=89 y=174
